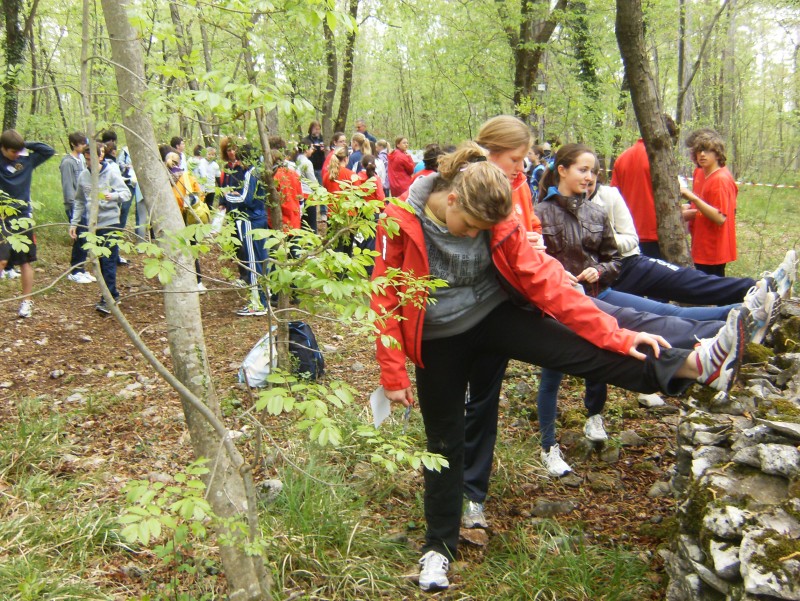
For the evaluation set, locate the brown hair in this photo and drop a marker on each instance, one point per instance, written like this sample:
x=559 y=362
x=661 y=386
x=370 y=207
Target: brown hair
x=711 y=143
x=399 y=139
x=382 y=144
x=482 y=189
x=12 y=140
x=227 y=143
x=566 y=156
x=333 y=167
x=503 y=133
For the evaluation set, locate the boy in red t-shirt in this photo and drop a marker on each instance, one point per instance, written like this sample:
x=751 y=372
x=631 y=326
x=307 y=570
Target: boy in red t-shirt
x=714 y=229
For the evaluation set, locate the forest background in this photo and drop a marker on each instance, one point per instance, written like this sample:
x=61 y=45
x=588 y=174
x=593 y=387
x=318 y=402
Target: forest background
x=431 y=71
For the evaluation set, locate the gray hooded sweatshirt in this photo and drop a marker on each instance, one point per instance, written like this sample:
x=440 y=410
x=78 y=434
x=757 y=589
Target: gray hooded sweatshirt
x=473 y=290
x=109 y=181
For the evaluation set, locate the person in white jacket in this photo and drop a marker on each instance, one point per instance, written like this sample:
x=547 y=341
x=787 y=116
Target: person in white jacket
x=112 y=192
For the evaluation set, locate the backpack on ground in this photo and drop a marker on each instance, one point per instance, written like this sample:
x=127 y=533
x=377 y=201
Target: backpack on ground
x=304 y=348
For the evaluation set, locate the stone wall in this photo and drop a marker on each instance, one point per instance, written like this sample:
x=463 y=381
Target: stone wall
x=737 y=480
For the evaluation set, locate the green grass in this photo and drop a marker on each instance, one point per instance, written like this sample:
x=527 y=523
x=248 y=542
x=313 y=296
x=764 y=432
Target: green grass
x=53 y=533
x=545 y=562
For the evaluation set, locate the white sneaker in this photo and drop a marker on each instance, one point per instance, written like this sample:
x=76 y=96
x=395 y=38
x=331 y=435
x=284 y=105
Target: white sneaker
x=433 y=571
x=89 y=277
x=554 y=462
x=25 y=308
x=11 y=274
x=474 y=516
x=764 y=304
x=201 y=289
x=79 y=278
x=719 y=358
x=785 y=275
x=594 y=429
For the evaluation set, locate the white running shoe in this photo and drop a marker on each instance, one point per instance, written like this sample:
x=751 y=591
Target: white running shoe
x=785 y=275
x=554 y=462
x=89 y=277
x=79 y=277
x=201 y=289
x=474 y=516
x=719 y=358
x=25 y=308
x=594 y=429
x=433 y=571
x=764 y=304
x=11 y=274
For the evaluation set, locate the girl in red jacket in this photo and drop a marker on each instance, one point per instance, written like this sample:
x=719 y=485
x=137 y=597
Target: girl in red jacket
x=461 y=232
x=401 y=167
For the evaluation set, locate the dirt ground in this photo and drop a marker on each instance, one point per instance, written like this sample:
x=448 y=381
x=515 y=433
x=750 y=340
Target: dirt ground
x=67 y=353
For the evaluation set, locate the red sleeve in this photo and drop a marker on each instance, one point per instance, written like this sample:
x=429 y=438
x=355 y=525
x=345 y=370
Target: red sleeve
x=543 y=281
x=392 y=361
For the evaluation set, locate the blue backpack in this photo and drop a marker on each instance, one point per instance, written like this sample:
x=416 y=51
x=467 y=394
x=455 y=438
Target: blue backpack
x=303 y=346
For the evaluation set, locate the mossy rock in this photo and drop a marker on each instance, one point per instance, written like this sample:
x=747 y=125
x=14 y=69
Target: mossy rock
x=573 y=418
x=779 y=409
x=787 y=336
x=757 y=353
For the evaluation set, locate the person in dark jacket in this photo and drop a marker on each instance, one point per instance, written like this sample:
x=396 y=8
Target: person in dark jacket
x=18 y=159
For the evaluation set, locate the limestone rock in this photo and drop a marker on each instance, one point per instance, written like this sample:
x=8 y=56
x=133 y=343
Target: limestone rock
x=629 y=438
x=725 y=558
x=546 y=509
x=609 y=454
x=710 y=578
x=756 y=487
x=659 y=489
x=757 y=555
x=651 y=400
x=789 y=428
x=476 y=536
x=727 y=522
x=268 y=490
x=705 y=457
x=780 y=460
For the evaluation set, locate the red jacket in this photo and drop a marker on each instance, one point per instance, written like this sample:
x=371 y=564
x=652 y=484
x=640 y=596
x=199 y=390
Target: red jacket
x=291 y=191
x=378 y=193
x=523 y=207
x=401 y=167
x=539 y=278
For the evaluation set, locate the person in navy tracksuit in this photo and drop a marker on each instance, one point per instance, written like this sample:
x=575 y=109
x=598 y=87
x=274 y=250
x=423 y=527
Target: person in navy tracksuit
x=248 y=206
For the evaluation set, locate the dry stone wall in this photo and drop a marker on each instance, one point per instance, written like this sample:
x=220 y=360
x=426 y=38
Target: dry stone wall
x=737 y=479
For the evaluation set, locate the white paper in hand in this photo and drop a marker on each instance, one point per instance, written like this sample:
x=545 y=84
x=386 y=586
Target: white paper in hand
x=381 y=406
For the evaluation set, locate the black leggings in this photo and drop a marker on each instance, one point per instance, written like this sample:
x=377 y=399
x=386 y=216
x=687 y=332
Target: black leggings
x=473 y=357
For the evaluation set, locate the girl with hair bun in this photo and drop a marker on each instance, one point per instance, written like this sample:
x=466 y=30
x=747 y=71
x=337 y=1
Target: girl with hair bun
x=458 y=336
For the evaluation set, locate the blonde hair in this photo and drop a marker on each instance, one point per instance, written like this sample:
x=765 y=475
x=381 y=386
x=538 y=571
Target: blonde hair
x=482 y=189
x=172 y=160
x=340 y=154
x=382 y=144
x=363 y=143
x=503 y=133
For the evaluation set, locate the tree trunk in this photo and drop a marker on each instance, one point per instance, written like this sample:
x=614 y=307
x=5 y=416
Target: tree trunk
x=586 y=54
x=184 y=44
x=15 y=50
x=347 y=74
x=647 y=106
x=330 y=81
x=528 y=46
x=247 y=577
x=209 y=67
x=683 y=88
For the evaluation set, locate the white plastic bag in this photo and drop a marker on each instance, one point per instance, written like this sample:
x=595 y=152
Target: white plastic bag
x=217 y=221
x=257 y=365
